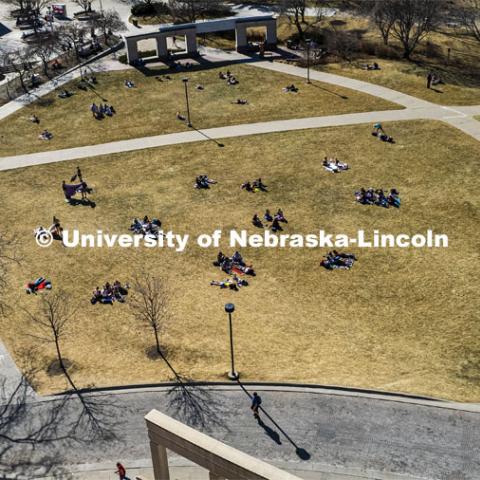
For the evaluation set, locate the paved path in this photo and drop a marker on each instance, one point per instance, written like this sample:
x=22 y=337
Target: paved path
x=465 y=123
x=415 y=109
x=360 y=435
x=10 y=377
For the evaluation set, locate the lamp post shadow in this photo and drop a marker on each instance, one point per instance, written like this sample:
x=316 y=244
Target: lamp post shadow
x=301 y=453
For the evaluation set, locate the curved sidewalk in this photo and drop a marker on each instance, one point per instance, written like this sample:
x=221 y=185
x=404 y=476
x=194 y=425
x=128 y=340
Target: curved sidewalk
x=465 y=123
x=341 y=434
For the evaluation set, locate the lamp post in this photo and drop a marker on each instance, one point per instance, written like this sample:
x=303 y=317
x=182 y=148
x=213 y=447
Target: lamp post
x=232 y=374
x=308 y=41
x=185 y=82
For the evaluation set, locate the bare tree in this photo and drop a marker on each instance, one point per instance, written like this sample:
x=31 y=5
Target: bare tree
x=73 y=35
x=86 y=5
x=150 y=303
x=193 y=10
x=382 y=15
x=19 y=61
x=45 y=49
x=50 y=324
x=295 y=11
x=19 y=5
x=408 y=21
x=469 y=13
x=108 y=22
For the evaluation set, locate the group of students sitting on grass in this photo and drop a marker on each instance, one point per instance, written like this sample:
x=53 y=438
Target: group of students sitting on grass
x=229 y=77
x=267 y=218
x=255 y=186
x=335 y=260
x=378 y=197
x=202 y=181
x=373 y=66
x=241 y=101
x=102 y=110
x=333 y=165
x=110 y=293
x=129 y=83
x=146 y=226
x=71 y=189
x=233 y=266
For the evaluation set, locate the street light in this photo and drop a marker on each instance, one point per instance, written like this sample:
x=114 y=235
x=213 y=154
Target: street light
x=185 y=82
x=308 y=41
x=232 y=374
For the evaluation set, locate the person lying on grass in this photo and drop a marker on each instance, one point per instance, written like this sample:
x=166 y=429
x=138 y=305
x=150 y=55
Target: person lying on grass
x=65 y=94
x=335 y=260
x=202 y=181
x=146 y=226
x=241 y=101
x=333 y=165
x=378 y=197
x=290 y=89
x=39 y=284
x=45 y=135
x=233 y=283
x=110 y=293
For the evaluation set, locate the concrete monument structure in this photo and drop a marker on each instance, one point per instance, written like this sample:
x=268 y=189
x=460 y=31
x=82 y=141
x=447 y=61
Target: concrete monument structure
x=191 y=30
x=222 y=461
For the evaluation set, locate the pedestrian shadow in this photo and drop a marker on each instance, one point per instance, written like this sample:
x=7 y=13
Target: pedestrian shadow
x=273 y=434
x=301 y=452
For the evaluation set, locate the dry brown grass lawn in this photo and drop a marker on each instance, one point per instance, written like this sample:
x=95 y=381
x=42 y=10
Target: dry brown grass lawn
x=400 y=320
x=150 y=109
x=410 y=78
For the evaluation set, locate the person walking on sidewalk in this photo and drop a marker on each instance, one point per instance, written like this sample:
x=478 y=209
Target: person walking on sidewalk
x=121 y=472
x=256 y=402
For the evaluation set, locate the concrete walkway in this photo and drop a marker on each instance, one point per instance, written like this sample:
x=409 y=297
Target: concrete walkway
x=415 y=109
x=11 y=377
x=459 y=120
x=341 y=434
